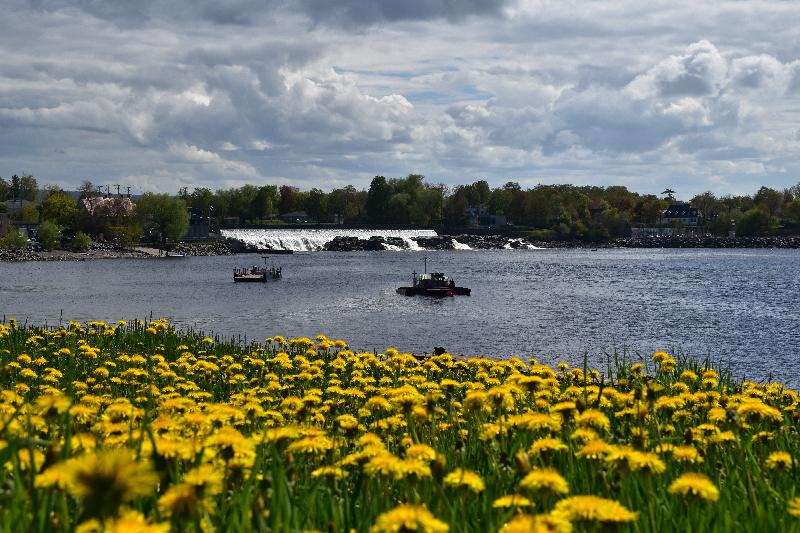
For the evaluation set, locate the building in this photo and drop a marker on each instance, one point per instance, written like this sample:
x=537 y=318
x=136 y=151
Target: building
x=297 y=217
x=199 y=226
x=477 y=217
x=681 y=214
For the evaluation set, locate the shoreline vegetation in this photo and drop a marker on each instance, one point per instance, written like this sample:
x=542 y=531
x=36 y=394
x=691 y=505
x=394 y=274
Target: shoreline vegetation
x=545 y=215
x=137 y=425
x=220 y=247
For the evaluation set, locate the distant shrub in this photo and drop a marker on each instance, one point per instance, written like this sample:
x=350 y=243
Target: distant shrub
x=13 y=240
x=49 y=234
x=81 y=242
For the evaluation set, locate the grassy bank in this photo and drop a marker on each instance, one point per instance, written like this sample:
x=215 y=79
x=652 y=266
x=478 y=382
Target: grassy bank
x=139 y=426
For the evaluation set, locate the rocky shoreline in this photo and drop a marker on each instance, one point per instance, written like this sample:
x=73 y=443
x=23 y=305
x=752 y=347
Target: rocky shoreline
x=34 y=252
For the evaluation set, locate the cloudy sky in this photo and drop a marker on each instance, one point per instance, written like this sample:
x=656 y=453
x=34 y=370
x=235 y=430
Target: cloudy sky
x=161 y=94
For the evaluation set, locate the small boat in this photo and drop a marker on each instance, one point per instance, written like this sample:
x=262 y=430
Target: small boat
x=433 y=284
x=174 y=255
x=256 y=274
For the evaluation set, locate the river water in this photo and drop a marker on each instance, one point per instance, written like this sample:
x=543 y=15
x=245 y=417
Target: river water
x=740 y=307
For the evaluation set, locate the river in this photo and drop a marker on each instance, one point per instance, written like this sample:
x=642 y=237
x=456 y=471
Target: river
x=739 y=307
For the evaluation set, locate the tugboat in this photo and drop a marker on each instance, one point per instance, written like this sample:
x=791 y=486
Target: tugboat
x=433 y=284
x=256 y=274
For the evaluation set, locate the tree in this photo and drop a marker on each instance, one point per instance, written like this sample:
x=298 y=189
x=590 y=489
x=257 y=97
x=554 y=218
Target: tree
x=316 y=205
x=264 y=202
x=5 y=190
x=59 y=208
x=28 y=188
x=164 y=217
x=49 y=234
x=769 y=200
x=378 y=200
x=754 y=222
x=87 y=190
x=288 y=199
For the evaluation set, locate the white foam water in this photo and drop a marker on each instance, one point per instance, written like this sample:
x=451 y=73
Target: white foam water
x=460 y=246
x=309 y=240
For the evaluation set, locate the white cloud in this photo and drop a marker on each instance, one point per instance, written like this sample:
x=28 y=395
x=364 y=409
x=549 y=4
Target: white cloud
x=318 y=93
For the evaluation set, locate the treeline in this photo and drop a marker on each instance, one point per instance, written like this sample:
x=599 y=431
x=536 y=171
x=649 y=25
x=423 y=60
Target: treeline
x=63 y=220
x=590 y=213
x=549 y=211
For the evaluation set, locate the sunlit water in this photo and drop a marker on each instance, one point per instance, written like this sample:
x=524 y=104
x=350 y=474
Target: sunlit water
x=739 y=306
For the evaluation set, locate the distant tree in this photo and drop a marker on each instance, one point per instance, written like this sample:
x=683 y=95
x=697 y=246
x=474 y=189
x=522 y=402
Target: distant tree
x=5 y=190
x=164 y=217
x=59 y=208
x=791 y=212
x=28 y=188
x=49 y=234
x=769 y=200
x=378 y=200
x=288 y=199
x=669 y=194
x=265 y=201
x=87 y=190
x=316 y=205
x=755 y=222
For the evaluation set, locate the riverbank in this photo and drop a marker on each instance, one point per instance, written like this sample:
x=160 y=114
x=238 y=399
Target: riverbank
x=34 y=252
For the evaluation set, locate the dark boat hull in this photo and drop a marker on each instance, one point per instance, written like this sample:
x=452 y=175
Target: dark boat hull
x=438 y=293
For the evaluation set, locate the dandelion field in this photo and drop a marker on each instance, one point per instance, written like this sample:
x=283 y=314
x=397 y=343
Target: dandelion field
x=139 y=427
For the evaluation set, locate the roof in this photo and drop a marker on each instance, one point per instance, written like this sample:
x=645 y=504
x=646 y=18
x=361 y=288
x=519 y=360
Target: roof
x=681 y=211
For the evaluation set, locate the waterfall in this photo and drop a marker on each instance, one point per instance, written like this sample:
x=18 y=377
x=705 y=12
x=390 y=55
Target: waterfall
x=306 y=240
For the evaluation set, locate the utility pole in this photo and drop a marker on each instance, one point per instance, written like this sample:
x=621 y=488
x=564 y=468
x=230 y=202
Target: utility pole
x=117 y=186
x=129 y=191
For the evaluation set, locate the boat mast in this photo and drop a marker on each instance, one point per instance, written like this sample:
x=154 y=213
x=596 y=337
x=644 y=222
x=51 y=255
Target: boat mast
x=426 y=264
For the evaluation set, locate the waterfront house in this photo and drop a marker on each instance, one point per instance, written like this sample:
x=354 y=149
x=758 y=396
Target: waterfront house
x=682 y=215
x=478 y=217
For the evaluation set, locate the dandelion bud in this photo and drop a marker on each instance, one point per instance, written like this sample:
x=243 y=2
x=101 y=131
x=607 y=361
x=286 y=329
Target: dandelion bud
x=522 y=463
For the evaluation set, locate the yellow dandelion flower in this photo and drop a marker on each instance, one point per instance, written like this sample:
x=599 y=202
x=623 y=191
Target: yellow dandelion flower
x=404 y=518
x=593 y=509
x=779 y=461
x=686 y=454
x=793 y=507
x=694 y=484
x=595 y=449
x=107 y=480
x=646 y=461
x=466 y=479
x=593 y=418
x=331 y=472
x=545 y=479
x=547 y=444
x=512 y=501
x=206 y=478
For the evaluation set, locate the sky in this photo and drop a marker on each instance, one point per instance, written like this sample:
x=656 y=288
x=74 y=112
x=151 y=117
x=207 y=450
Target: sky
x=164 y=94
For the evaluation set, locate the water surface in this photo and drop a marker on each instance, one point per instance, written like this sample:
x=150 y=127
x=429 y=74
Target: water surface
x=738 y=306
